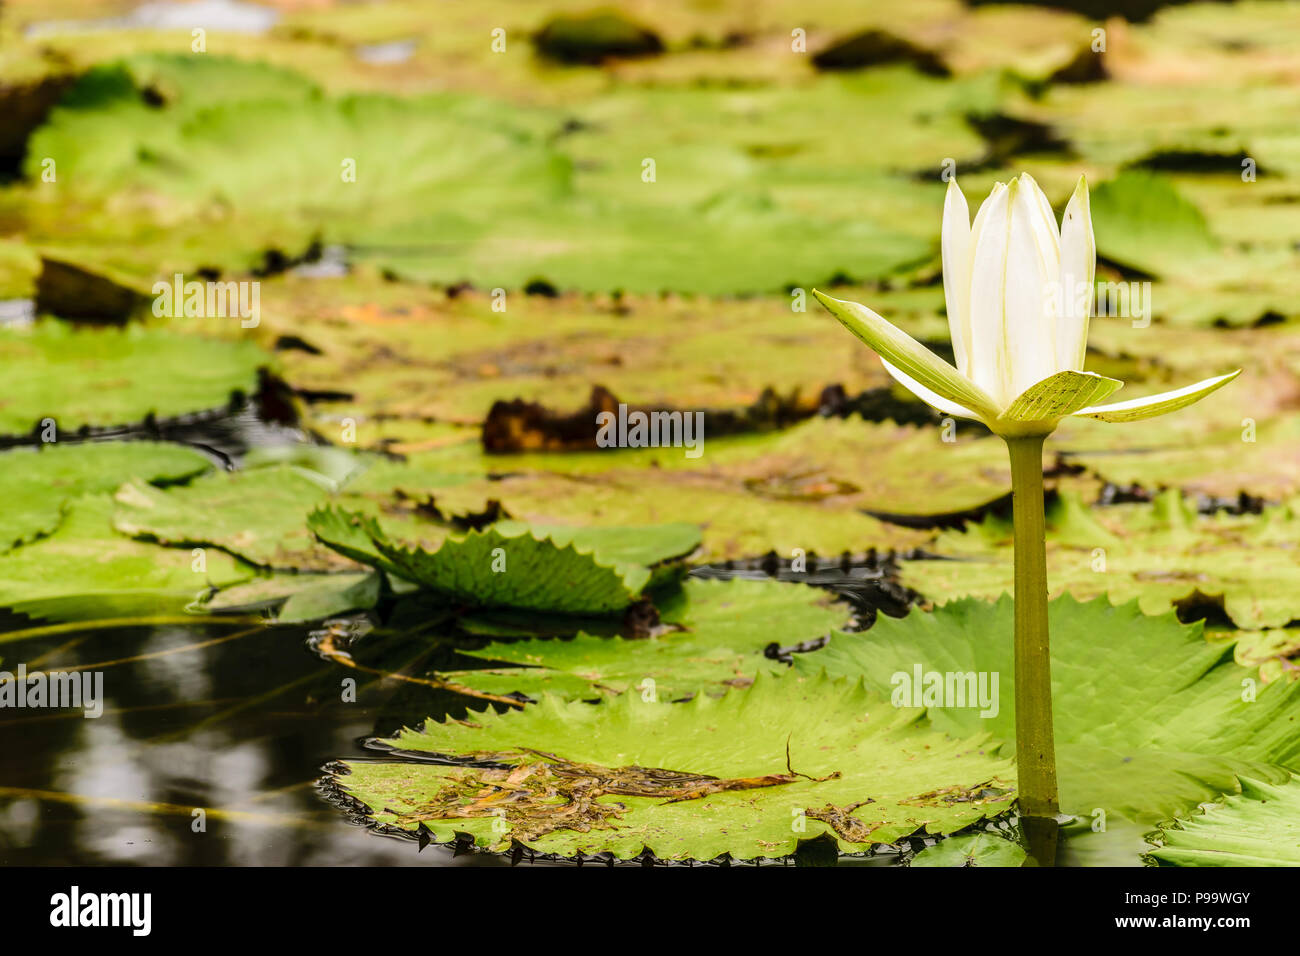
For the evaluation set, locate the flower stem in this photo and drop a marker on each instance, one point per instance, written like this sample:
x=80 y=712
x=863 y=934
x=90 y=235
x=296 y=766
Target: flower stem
x=1035 y=747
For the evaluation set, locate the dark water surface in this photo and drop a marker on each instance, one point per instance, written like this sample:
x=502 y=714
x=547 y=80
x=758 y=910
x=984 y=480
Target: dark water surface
x=233 y=718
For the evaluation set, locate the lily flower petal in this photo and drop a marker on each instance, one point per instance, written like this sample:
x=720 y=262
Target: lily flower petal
x=1029 y=284
x=933 y=399
x=989 y=365
x=911 y=357
x=1044 y=223
x=1058 y=395
x=1136 y=409
x=1078 y=270
x=956 y=273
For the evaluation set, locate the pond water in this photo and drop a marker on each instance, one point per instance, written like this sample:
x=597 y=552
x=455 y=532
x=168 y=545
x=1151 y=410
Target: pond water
x=235 y=718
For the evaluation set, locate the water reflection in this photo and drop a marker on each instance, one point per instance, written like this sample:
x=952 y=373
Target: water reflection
x=231 y=719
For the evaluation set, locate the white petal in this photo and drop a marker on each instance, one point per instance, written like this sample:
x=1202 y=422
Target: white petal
x=988 y=257
x=956 y=272
x=1029 y=324
x=1078 y=268
x=932 y=399
x=1162 y=403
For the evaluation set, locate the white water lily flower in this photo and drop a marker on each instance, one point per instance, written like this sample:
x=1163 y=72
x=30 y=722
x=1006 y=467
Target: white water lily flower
x=1019 y=292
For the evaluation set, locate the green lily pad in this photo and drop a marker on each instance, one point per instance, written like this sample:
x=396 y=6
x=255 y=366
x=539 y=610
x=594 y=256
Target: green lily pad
x=716 y=640
x=1258 y=827
x=688 y=781
x=258 y=515
x=972 y=849
x=515 y=565
x=104 y=377
x=85 y=569
x=1163 y=554
x=1150 y=719
x=37 y=484
x=1141 y=221
x=153 y=193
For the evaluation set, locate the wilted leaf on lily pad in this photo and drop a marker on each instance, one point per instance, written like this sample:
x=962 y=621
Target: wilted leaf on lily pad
x=36 y=484
x=86 y=569
x=1164 y=554
x=1150 y=718
x=716 y=636
x=515 y=565
x=972 y=849
x=1258 y=827
x=688 y=781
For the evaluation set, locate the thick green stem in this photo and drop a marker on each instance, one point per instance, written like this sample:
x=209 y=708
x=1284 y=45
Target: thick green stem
x=1035 y=748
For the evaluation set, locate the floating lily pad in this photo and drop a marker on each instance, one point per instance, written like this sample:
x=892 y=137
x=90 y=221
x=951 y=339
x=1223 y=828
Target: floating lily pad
x=515 y=565
x=378 y=173
x=85 y=569
x=718 y=631
x=688 y=781
x=1142 y=222
x=36 y=484
x=735 y=524
x=1150 y=719
x=1258 y=827
x=1163 y=554
x=259 y=515
x=972 y=849
x=117 y=376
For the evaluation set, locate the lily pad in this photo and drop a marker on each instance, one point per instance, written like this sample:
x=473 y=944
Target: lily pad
x=515 y=565
x=1260 y=826
x=1163 y=554
x=85 y=569
x=716 y=636
x=36 y=484
x=972 y=849
x=687 y=781
x=1142 y=222
x=102 y=377
x=511 y=201
x=1150 y=719
x=259 y=515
